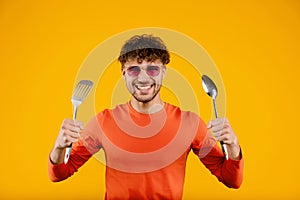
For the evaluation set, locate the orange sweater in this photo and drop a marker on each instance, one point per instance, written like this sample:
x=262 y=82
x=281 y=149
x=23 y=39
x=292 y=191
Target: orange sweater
x=146 y=154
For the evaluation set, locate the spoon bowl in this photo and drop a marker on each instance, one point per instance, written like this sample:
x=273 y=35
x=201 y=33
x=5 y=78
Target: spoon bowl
x=209 y=87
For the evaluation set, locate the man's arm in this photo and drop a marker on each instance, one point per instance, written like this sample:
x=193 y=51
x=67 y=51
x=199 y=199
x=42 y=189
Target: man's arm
x=61 y=171
x=85 y=144
x=69 y=133
x=229 y=172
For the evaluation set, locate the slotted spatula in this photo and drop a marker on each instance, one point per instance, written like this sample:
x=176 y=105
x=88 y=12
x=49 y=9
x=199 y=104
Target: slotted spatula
x=80 y=92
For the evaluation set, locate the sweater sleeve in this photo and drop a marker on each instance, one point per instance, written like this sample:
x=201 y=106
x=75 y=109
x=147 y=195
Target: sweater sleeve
x=229 y=172
x=88 y=144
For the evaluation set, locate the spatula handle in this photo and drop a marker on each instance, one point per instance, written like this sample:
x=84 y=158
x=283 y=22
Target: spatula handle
x=67 y=154
x=69 y=148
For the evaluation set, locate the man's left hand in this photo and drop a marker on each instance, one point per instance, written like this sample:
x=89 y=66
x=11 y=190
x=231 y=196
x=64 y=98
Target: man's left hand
x=222 y=131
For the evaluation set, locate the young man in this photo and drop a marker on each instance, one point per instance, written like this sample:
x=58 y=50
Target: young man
x=146 y=141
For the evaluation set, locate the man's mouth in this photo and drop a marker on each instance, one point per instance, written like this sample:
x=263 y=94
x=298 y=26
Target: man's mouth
x=143 y=87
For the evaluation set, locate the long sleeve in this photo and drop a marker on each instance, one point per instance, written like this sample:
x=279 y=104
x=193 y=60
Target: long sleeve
x=88 y=144
x=79 y=155
x=229 y=172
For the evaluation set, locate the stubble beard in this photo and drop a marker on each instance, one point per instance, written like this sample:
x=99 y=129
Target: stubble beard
x=139 y=98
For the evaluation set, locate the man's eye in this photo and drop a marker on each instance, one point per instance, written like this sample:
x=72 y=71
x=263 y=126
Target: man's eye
x=153 y=68
x=134 y=68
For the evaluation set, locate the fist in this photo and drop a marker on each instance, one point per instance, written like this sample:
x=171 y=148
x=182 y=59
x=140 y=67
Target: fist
x=69 y=133
x=223 y=132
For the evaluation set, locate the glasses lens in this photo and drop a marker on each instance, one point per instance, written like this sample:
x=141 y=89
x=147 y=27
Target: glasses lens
x=153 y=70
x=133 y=70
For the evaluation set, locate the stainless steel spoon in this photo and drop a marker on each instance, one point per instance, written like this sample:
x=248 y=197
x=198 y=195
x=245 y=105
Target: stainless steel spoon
x=211 y=89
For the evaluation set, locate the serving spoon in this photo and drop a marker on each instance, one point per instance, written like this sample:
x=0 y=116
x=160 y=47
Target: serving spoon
x=211 y=89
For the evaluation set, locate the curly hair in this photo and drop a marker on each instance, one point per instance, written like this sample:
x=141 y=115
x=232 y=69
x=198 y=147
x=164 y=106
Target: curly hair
x=144 y=47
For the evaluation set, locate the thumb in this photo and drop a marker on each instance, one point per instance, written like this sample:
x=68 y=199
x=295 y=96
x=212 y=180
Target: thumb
x=209 y=124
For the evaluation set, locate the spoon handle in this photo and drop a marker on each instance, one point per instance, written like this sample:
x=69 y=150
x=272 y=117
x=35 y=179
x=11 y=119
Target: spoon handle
x=223 y=146
x=224 y=149
x=215 y=108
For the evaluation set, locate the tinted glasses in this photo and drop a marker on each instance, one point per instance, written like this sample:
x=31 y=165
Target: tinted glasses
x=151 y=70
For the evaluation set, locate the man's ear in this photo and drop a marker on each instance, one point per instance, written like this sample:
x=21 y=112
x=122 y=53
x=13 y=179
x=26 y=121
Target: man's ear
x=123 y=72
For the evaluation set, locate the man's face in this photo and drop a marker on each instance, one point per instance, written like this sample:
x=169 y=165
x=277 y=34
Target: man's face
x=144 y=79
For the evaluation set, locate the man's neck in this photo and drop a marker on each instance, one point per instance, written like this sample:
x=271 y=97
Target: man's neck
x=150 y=107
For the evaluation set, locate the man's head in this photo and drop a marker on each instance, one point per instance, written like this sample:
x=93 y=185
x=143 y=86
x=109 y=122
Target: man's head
x=143 y=59
x=144 y=48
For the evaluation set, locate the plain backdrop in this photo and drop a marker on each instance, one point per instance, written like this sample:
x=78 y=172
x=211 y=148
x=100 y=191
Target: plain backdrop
x=254 y=44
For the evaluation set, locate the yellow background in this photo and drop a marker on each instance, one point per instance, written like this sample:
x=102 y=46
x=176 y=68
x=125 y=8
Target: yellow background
x=255 y=45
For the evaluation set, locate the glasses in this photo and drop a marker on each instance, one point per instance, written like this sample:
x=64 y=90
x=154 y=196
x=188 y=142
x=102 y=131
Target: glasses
x=151 y=70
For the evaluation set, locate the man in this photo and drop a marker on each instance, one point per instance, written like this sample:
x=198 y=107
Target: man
x=146 y=141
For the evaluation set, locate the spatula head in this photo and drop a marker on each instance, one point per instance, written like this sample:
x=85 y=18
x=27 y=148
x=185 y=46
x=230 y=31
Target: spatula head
x=81 y=90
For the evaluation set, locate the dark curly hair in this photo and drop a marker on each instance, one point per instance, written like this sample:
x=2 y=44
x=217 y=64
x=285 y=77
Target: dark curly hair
x=144 y=47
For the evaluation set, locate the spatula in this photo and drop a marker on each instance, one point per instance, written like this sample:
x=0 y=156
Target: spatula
x=80 y=92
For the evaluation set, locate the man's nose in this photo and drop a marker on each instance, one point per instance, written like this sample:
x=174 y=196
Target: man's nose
x=143 y=76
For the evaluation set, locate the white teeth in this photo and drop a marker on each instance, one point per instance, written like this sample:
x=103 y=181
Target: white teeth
x=144 y=87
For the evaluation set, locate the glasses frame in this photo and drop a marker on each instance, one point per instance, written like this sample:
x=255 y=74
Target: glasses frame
x=146 y=68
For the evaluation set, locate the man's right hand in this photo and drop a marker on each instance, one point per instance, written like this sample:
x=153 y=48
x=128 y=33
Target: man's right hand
x=68 y=134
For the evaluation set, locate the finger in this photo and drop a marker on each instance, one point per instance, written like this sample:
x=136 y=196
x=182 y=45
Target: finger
x=226 y=132
x=74 y=135
x=220 y=125
x=74 y=129
x=227 y=137
x=73 y=122
x=69 y=133
x=67 y=140
x=215 y=122
x=79 y=124
x=209 y=124
x=219 y=121
x=71 y=126
x=68 y=121
x=217 y=134
x=224 y=138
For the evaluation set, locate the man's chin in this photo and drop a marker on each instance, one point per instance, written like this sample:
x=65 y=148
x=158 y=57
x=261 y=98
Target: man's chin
x=147 y=97
x=143 y=99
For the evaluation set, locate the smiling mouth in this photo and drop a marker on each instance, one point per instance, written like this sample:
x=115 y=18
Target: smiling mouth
x=143 y=87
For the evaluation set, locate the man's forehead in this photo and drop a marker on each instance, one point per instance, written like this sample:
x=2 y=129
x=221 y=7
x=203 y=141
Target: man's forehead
x=144 y=62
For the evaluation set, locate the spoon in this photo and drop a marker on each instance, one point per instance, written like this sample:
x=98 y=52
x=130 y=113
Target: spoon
x=211 y=89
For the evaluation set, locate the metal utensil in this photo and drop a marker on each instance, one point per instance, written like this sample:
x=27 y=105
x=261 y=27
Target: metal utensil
x=80 y=92
x=211 y=89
